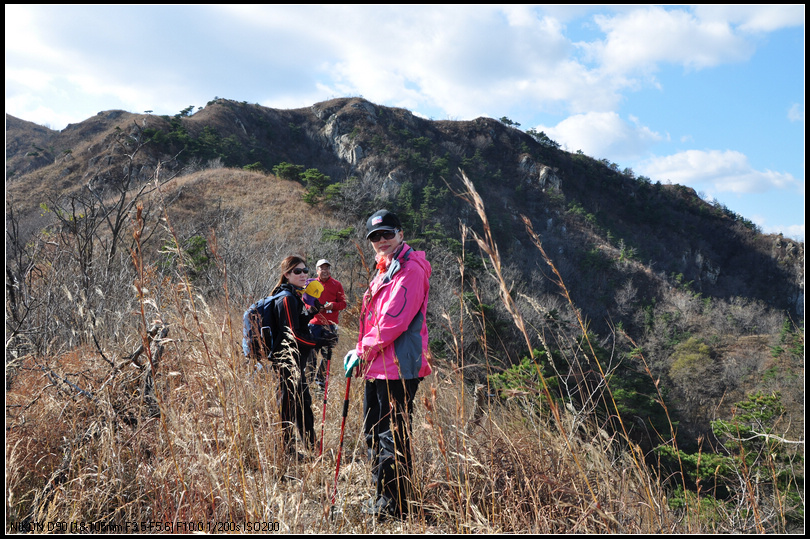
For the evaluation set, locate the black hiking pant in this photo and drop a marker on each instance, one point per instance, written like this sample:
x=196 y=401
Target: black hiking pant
x=387 y=409
x=320 y=333
x=295 y=403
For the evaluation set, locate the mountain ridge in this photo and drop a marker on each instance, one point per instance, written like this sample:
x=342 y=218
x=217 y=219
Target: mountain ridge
x=385 y=148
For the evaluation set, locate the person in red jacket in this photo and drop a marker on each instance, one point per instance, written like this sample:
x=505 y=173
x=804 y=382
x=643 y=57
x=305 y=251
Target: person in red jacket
x=324 y=326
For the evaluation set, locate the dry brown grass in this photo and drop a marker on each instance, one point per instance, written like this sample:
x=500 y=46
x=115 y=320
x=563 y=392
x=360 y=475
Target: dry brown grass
x=213 y=455
x=87 y=441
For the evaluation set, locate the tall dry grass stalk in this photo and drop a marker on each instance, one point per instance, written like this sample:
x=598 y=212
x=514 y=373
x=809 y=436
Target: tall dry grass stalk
x=652 y=496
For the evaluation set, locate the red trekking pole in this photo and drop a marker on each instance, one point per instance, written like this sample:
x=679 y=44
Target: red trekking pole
x=342 y=428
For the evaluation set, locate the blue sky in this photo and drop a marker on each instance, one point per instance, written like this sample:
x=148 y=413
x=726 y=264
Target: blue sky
x=706 y=96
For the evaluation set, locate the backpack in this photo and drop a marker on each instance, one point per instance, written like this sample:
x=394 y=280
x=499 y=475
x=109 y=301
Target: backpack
x=258 y=326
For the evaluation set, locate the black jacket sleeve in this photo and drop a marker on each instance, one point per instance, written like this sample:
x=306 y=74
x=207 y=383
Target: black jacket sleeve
x=289 y=311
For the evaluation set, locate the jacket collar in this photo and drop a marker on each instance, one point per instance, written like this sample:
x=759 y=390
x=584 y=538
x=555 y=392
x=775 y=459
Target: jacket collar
x=289 y=287
x=400 y=256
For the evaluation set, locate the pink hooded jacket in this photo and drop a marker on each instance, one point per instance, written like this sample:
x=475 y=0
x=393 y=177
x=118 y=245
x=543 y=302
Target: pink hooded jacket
x=393 y=339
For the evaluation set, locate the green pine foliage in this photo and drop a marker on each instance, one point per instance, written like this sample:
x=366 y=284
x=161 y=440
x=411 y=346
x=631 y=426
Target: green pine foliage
x=750 y=451
x=288 y=171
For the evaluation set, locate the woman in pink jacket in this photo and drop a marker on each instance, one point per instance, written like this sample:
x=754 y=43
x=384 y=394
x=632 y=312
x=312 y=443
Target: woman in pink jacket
x=392 y=352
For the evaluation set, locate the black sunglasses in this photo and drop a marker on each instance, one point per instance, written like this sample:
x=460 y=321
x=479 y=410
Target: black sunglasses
x=374 y=237
x=299 y=271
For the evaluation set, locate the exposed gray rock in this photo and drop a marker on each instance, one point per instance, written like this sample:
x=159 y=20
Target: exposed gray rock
x=538 y=175
x=548 y=177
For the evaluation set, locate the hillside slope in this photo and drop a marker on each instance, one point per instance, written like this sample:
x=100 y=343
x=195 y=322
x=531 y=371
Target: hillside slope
x=652 y=258
x=579 y=205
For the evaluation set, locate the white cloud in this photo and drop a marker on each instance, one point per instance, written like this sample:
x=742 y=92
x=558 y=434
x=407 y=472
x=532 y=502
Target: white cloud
x=603 y=135
x=636 y=41
x=792 y=231
x=31 y=79
x=753 y=17
x=22 y=39
x=796 y=113
x=48 y=117
x=795 y=231
x=466 y=61
x=717 y=172
x=442 y=60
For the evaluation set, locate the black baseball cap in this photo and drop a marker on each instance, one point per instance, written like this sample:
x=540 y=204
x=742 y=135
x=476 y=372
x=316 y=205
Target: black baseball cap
x=382 y=220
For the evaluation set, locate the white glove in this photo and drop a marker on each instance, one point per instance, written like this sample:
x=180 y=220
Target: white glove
x=351 y=361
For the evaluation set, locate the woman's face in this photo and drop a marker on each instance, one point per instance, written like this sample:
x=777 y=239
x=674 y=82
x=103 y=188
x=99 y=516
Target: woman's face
x=297 y=280
x=387 y=247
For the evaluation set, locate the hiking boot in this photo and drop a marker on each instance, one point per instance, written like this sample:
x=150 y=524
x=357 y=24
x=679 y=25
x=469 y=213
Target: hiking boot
x=383 y=508
x=297 y=456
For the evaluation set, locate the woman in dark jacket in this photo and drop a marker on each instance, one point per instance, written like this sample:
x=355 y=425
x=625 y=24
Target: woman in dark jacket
x=292 y=346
